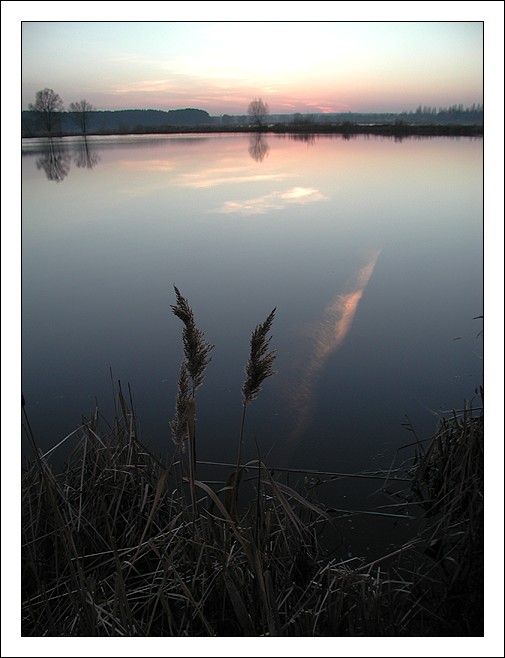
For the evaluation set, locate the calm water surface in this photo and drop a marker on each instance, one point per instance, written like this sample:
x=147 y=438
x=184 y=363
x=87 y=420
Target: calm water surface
x=369 y=248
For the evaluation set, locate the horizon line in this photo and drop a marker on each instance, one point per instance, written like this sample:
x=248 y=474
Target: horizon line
x=479 y=107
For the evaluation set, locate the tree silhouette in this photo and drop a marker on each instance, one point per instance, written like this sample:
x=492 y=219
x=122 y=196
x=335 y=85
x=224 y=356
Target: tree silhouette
x=48 y=106
x=80 y=114
x=257 y=111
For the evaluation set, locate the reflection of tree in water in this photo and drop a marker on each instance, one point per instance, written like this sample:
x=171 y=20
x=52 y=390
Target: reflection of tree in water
x=84 y=156
x=55 y=162
x=258 y=146
x=308 y=138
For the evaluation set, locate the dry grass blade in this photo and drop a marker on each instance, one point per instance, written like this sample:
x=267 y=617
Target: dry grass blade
x=222 y=509
x=300 y=499
x=239 y=606
x=159 y=490
x=286 y=507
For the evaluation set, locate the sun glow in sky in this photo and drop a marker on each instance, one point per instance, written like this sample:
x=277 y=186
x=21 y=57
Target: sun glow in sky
x=220 y=67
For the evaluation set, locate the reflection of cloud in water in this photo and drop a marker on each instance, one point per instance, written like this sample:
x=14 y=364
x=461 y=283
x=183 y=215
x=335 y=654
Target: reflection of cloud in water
x=326 y=336
x=273 y=201
x=223 y=176
x=148 y=165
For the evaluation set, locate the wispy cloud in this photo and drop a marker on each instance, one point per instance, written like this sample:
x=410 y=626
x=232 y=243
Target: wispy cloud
x=137 y=86
x=272 y=201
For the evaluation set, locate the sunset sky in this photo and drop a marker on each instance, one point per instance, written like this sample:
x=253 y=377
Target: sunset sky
x=220 y=67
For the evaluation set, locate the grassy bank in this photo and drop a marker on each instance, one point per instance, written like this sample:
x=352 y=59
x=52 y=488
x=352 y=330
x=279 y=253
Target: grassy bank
x=113 y=546
x=118 y=543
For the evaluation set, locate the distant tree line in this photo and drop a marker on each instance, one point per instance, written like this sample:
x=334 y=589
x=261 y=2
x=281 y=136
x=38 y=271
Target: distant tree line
x=47 y=117
x=456 y=114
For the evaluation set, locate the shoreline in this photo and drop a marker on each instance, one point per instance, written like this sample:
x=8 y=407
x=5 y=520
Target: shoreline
x=346 y=130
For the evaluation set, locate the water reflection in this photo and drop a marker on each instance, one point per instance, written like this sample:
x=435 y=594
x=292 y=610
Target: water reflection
x=55 y=162
x=272 y=201
x=223 y=176
x=308 y=138
x=85 y=156
x=292 y=220
x=326 y=336
x=258 y=146
x=56 y=159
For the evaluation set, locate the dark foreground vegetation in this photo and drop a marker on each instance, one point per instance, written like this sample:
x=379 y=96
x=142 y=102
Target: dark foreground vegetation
x=118 y=543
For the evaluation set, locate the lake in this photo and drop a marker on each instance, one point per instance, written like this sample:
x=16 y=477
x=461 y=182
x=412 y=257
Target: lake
x=370 y=249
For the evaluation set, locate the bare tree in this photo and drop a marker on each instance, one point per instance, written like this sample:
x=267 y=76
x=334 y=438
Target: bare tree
x=257 y=110
x=79 y=113
x=48 y=106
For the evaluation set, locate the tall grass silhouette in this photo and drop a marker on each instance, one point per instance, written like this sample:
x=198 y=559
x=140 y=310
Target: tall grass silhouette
x=258 y=368
x=197 y=358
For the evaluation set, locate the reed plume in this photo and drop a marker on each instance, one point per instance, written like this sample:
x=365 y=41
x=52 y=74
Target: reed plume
x=197 y=357
x=258 y=368
x=196 y=348
x=179 y=426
